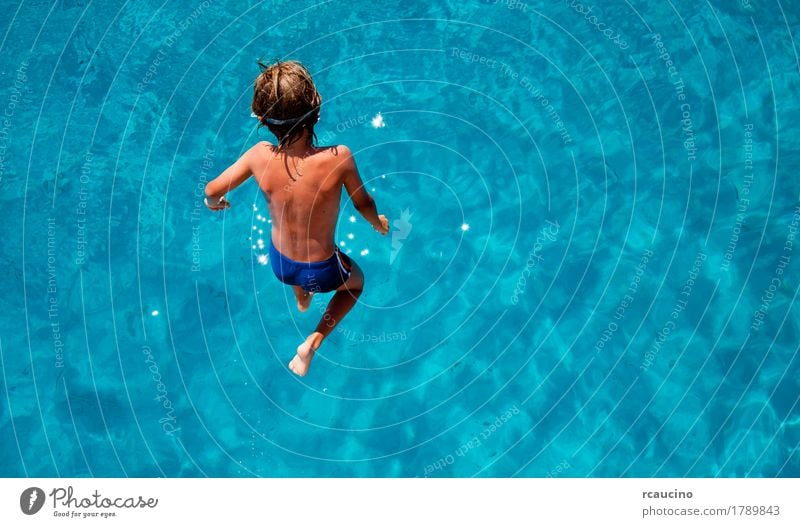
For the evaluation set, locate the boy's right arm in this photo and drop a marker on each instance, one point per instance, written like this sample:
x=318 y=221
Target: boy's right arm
x=361 y=199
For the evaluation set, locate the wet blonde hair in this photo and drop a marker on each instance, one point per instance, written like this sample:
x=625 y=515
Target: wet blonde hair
x=286 y=101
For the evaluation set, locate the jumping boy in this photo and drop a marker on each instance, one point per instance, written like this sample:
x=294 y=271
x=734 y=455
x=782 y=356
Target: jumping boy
x=303 y=185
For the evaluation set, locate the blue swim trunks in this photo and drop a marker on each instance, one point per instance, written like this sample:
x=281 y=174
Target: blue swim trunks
x=314 y=277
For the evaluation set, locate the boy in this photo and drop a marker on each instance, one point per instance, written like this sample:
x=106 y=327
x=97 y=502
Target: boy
x=302 y=184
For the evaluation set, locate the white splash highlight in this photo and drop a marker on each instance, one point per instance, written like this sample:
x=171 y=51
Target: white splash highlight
x=377 y=121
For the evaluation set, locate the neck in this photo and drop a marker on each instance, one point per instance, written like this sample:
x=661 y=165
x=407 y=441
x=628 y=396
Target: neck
x=301 y=144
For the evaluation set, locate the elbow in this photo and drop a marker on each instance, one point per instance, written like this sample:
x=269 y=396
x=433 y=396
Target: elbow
x=365 y=204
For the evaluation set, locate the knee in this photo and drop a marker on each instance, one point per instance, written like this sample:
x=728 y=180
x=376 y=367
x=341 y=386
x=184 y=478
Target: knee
x=357 y=290
x=357 y=287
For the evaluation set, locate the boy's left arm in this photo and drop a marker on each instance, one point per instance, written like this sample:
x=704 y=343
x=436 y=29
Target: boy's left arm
x=232 y=177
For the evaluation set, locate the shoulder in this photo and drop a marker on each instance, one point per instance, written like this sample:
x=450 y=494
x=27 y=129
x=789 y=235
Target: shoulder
x=335 y=151
x=337 y=155
x=261 y=147
x=259 y=151
x=341 y=155
x=343 y=151
x=338 y=159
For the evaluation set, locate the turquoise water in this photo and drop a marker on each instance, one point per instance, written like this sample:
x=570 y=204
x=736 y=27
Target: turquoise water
x=592 y=269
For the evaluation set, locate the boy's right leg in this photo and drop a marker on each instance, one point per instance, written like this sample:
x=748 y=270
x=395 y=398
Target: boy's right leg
x=342 y=302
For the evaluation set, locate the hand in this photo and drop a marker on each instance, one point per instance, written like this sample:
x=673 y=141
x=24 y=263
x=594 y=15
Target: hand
x=217 y=204
x=384 y=228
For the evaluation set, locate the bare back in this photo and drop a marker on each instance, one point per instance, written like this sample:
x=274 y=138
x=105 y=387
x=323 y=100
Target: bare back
x=303 y=193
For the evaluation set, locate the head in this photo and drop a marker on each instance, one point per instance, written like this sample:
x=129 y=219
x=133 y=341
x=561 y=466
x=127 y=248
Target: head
x=286 y=101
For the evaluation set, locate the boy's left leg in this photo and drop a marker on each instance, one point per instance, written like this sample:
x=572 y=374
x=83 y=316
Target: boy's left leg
x=342 y=302
x=303 y=298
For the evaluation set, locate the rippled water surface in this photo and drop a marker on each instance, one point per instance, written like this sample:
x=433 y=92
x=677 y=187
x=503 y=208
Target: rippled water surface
x=592 y=268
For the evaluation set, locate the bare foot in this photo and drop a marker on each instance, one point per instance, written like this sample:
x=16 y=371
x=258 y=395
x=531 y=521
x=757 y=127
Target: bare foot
x=305 y=352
